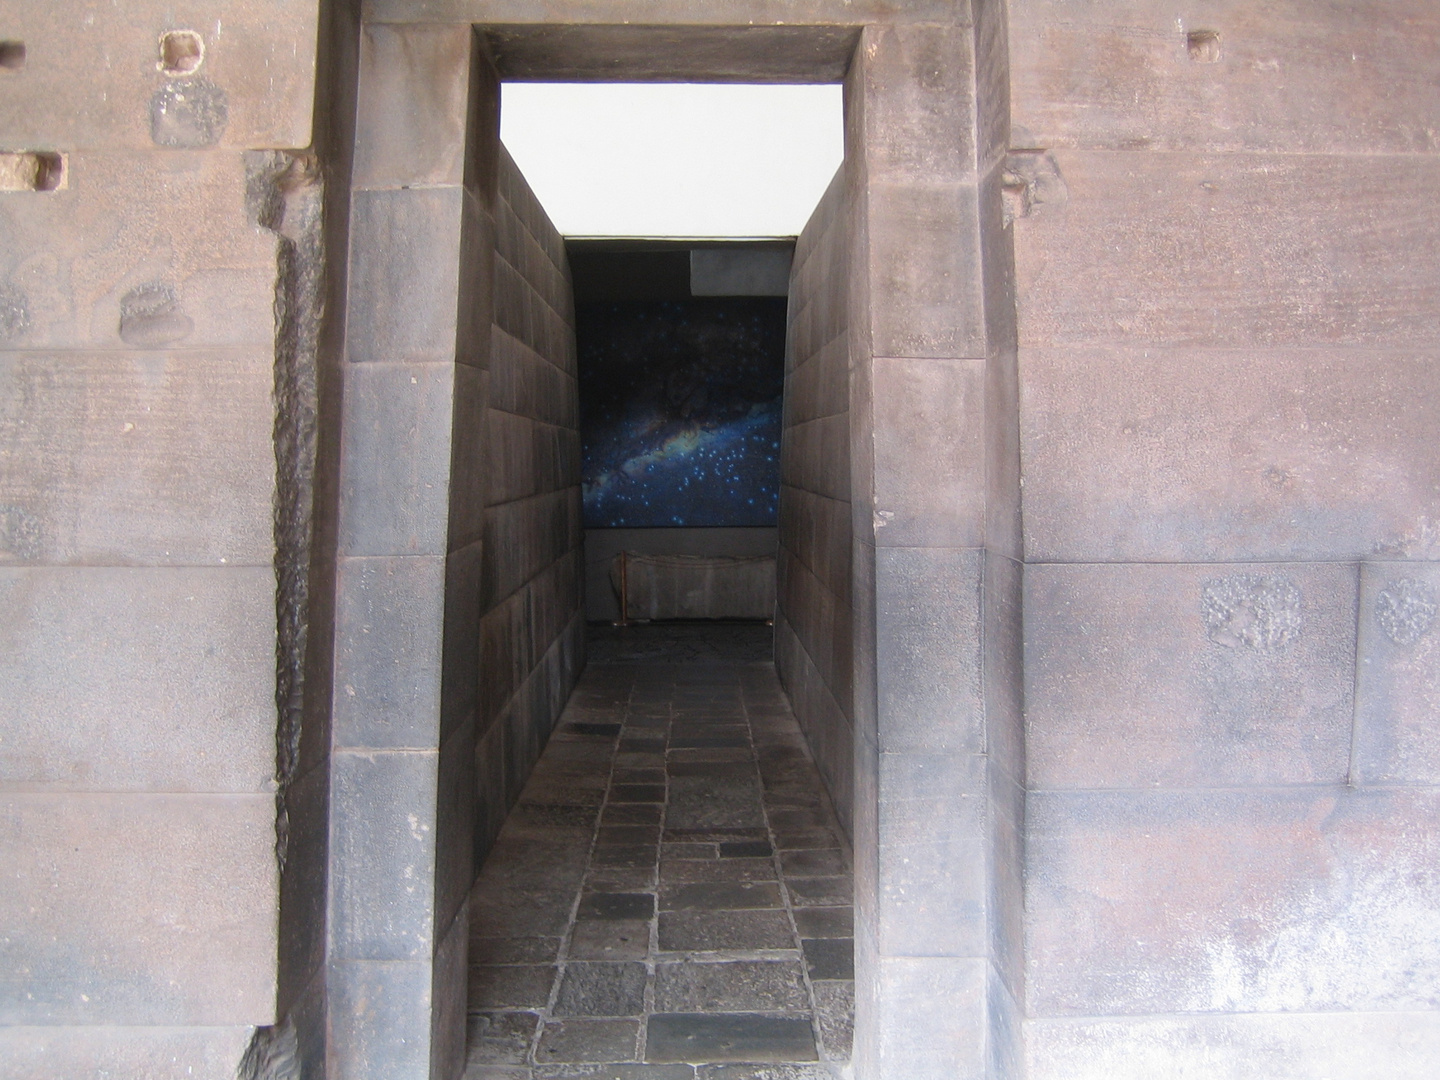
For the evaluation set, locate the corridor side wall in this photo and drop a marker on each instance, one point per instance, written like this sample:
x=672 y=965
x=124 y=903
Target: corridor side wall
x=532 y=634
x=813 y=621
x=138 y=343
x=1228 y=265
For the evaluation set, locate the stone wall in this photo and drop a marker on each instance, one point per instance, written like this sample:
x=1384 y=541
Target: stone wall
x=1228 y=265
x=533 y=621
x=813 y=652
x=138 y=345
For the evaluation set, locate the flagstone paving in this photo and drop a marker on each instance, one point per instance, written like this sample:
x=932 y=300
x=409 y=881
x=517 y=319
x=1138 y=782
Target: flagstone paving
x=670 y=899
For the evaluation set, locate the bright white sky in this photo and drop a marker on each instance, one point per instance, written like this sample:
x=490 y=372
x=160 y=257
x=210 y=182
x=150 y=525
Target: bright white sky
x=667 y=159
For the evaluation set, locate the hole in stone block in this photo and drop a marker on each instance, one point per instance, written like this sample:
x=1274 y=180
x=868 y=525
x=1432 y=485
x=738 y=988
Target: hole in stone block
x=32 y=170
x=1203 y=45
x=12 y=55
x=181 y=52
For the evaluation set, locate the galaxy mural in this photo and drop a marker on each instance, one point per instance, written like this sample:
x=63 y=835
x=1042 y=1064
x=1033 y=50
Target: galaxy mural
x=680 y=411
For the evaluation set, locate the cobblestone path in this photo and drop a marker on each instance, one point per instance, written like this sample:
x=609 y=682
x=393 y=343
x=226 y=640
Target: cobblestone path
x=670 y=899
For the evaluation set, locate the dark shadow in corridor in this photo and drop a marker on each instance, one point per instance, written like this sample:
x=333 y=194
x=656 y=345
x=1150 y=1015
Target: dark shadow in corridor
x=671 y=897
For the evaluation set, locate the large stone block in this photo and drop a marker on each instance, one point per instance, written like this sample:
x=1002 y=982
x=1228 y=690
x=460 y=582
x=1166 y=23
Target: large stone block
x=930 y=482
x=1175 y=454
x=919 y=102
x=1232 y=251
x=97 y=1053
x=380 y=1018
x=1189 y=676
x=137 y=909
x=943 y=997
x=527 y=384
x=1282 y=900
x=389 y=616
x=933 y=887
x=1003 y=664
x=414 y=105
x=136 y=679
x=383 y=813
x=1398 y=677
x=924 y=270
x=816 y=456
x=1294 y=77
x=404 y=275
x=132 y=457
x=1277 y=1046
x=110 y=79
x=928 y=649
x=819 y=383
x=395 y=459
x=816 y=530
x=703 y=14
x=140 y=251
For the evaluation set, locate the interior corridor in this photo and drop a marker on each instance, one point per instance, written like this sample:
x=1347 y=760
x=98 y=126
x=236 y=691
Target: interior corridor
x=671 y=898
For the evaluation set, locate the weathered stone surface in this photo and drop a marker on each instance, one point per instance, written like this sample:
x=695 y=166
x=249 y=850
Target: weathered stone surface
x=89 y=83
x=1295 y=77
x=941 y=996
x=1279 y=1046
x=413 y=107
x=375 y=1024
x=117 y=905
x=1397 y=679
x=158 y=1053
x=1173 y=454
x=920 y=103
x=1282 y=900
x=140 y=250
x=137 y=679
x=645 y=13
x=89 y=472
x=1232 y=251
x=929 y=453
x=1189 y=675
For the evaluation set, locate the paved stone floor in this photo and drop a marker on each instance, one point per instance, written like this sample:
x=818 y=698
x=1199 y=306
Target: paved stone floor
x=670 y=899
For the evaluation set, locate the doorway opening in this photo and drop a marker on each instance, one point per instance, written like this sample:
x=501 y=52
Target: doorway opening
x=672 y=887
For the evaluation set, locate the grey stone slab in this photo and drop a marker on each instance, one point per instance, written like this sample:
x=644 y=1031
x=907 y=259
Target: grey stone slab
x=635 y=856
x=510 y=986
x=388 y=624
x=710 y=931
x=720 y=896
x=835 y=1016
x=587 y=1040
x=404 y=275
x=1397 y=681
x=772 y=1071
x=701 y=802
x=395 y=459
x=684 y=871
x=374 y=1021
x=637 y=793
x=627 y=834
x=601 y=989
x=91 y=438
x=1306 y=895
x=159 y=1053
x=383 y=865
x=413 y=107
x=1314 y=275
x=945 y=998
x=89 y=646
x=746 y=849
x=1189 y=675
x=512 y=950
x=116 y=902
x=610 y=939
x=1218 y=454
x=701 y=1037
x=599 y=905
x=825 y=922
x=631 y=814
x=919 y=102
x=614 y=1072
x=503 y=1038
x=730 y=986
x=829 y=958
x=928 y=651
x=820 y=891
x=820 y=862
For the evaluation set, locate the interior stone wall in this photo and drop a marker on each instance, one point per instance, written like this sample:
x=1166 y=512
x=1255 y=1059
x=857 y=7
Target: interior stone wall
x=1228 y=265
x=813 y=652
x=138 y=344
x=532 y=627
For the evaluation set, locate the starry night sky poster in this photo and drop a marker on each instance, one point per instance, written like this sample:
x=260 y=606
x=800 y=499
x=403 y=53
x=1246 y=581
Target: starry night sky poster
x=680 y=411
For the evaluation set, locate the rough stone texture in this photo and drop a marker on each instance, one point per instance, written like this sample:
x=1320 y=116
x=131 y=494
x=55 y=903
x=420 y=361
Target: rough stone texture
x=1191 y=454
x=813 y=618
x=1397 y=680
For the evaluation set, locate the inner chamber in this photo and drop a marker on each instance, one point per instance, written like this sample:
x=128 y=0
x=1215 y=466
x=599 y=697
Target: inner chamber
x=668 y=893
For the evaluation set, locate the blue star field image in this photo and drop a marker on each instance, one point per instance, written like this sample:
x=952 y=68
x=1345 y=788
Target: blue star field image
x=680 y=411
